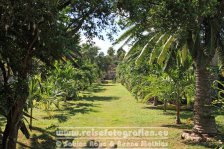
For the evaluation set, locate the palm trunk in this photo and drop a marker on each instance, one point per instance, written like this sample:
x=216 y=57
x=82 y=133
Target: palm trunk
x=204 y=122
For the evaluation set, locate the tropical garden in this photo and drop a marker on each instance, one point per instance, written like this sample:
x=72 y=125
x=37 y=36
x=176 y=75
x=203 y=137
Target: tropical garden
x=171 y=77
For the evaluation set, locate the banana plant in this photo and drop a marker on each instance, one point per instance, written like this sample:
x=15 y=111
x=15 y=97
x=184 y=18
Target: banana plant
x=200 y=43
x=34 y=94
x=169 y=51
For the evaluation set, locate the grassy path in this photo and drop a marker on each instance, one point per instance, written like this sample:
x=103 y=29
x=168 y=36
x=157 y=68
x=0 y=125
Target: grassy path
x=109 y=105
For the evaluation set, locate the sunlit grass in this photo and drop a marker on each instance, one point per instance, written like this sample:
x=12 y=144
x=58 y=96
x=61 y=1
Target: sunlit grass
x=110 y=105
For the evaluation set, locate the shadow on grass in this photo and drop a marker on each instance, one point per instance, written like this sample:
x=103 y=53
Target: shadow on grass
x=202 y=144
x=183 y=114
x=168 y=108
x=107 y=85
x=44 y=140
x=99 y=98
x=83 y=108
x=71 y=109
x=180 y=126
x=184 y=126
x=22 y=145
x=96 y=88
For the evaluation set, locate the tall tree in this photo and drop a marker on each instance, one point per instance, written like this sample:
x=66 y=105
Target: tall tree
x=120 y=54
x=44 y=30
x=111 y=52
x=89 y=52
x=193 y=25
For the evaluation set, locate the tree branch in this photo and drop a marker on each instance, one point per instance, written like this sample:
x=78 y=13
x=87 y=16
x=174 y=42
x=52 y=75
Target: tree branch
x=4 y=74
x=65 y=4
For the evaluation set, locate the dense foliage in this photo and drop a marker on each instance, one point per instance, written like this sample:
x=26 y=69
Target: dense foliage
x=42 y=61
x=194 y=29
x=150 y=83
x=35 y=34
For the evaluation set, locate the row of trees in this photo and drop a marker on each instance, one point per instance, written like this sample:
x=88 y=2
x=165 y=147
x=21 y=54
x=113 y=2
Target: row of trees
x=64 y=81
x=104 y=63
x=150 y=83
x=35 y=34
x=169 y=33
x=41 y=36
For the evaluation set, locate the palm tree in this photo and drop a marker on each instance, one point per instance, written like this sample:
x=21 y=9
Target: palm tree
x=201 y=44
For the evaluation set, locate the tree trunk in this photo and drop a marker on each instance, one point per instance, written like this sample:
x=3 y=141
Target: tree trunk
x=15 y=114
x=13 y=133
x=178 y=112
x=5 y=135
x=155 y=102
x=204 y=121
x=165 y=105
x=178 y=105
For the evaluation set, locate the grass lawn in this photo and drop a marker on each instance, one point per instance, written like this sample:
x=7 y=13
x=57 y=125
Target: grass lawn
x=109 y=105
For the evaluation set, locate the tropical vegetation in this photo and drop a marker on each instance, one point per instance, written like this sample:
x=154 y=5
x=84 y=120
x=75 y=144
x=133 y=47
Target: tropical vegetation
x=175 y=58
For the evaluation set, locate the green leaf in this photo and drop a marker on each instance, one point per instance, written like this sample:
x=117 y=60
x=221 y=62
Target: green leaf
x=184 y=54
x=145 y=51
x=125 y=36
x=156 y=49
x=165 y=50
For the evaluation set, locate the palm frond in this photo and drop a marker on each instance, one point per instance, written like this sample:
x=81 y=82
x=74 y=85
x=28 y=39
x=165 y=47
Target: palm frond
x=125 y=35
x=165 y=49
x=145 y=51
x=156 y=48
